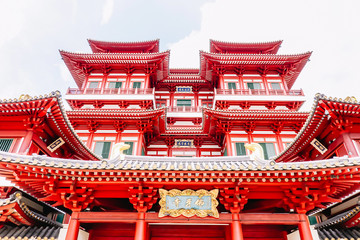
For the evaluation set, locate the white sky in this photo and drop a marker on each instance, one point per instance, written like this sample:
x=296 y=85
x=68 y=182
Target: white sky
x=33 y=31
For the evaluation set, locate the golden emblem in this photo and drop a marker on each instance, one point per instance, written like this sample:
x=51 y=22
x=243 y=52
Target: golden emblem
x=189 y=203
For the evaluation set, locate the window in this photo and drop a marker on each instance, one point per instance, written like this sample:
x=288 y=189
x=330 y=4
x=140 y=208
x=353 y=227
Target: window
x=275 y=86
x=240 y=149
x=115 y=84
x=102 y=149
x=231 y=85
x=183 y=102
x=93 y=84
x=269 y=150
x=5 y=144
x=130 y=150
x=136 y=84
x=254 y=85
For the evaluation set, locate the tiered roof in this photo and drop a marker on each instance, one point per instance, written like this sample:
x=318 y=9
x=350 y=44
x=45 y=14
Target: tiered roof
x=289 y=66
x=244 y=48
x=82 y=64
x=151 y=46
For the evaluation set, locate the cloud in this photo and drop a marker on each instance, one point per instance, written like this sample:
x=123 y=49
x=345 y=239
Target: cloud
x=107 y=12
x=326 y=27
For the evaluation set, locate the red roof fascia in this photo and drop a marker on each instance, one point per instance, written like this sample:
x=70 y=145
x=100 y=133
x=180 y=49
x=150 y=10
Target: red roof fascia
x=78 y=63
x=256 y=115
x=319 y=118
x=295 y=63
x=184 y=71
x=151 y=46
x=247 y=48
x=114 y=114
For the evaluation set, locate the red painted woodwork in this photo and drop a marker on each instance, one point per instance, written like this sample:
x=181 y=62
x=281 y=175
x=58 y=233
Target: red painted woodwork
x=73 y=227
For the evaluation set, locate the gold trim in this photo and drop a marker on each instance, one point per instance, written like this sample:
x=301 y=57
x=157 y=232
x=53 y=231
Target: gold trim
x=213 y=212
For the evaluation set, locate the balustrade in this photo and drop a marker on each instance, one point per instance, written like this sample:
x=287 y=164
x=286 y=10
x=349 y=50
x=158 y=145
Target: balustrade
x=280 y=92
x=111 y=91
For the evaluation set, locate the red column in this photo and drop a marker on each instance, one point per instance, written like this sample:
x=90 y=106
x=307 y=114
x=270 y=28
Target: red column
x=73 y=228
x=221 y=81
x=90 y=140
x=228 y=144
x=147 y=81
x=266 y=86
x=128 y=79
x=304 y=228
x=279 y=142
x=241 y=82
x=27 y=141
x=140 y=228
x=171 y=104
x=196 y=97
x=139 y=145
x=236 y=229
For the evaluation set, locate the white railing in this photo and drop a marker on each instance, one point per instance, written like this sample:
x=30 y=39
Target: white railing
x=119 y=91
x=280 y=92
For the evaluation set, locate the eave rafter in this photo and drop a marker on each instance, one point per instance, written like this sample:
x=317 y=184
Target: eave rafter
x=71 y=181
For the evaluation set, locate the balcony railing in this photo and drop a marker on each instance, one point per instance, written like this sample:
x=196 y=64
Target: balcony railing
x=184 y=109
x=119 y=91
x=280 y=92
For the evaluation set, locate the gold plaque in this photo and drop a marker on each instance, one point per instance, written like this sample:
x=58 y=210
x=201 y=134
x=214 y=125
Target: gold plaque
x=189 y=203
x=318 y=146
x=56 y=144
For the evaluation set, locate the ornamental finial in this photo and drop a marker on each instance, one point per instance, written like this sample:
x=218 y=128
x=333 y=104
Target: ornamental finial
x=257 y=152
x=350 y=99
x=118 y=150
x=24 y=97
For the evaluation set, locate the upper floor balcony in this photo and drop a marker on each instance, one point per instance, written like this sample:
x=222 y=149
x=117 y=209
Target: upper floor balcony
x=184 y=111
x=112 y=96
x=270 y=98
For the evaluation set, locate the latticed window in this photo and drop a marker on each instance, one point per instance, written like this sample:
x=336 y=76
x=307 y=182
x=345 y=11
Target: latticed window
x=5 y=144
x=231 y=85
x=275 y=86
x=136 y=84
x=240 y=149
x=254 y=85
x=115 y=84
x=102 y=149
x=93 y=84
x=183 y=102
x=269 y=150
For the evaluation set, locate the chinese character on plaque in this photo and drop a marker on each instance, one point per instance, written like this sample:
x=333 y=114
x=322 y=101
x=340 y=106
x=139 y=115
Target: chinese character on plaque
x=201 y=203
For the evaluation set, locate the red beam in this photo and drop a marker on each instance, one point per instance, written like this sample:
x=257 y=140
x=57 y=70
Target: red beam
x=225 y=218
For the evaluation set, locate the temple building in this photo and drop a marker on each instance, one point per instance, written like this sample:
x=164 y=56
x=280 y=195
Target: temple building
x=147 y=152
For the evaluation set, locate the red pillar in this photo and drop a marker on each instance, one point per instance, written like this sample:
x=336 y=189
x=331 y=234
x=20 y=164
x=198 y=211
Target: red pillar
x=196 y=97
x=304 y=228
x=236 y=229
x=127 y=82
x=73 y=228
x=171 y=104
x=90 y=140
x=139 y=145
x=266 y=86
x=241 y=82
x=147 y=81
x=228 y=144
x=140 y=228
x=27 y=141
x=221 y=81
x=279 y=142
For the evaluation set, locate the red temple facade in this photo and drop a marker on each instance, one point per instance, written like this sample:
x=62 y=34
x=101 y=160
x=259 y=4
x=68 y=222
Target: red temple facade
x=150 y=153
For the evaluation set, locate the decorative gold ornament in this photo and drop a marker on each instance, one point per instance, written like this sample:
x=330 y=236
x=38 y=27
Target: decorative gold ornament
x=189 y=203
x=24 y=97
